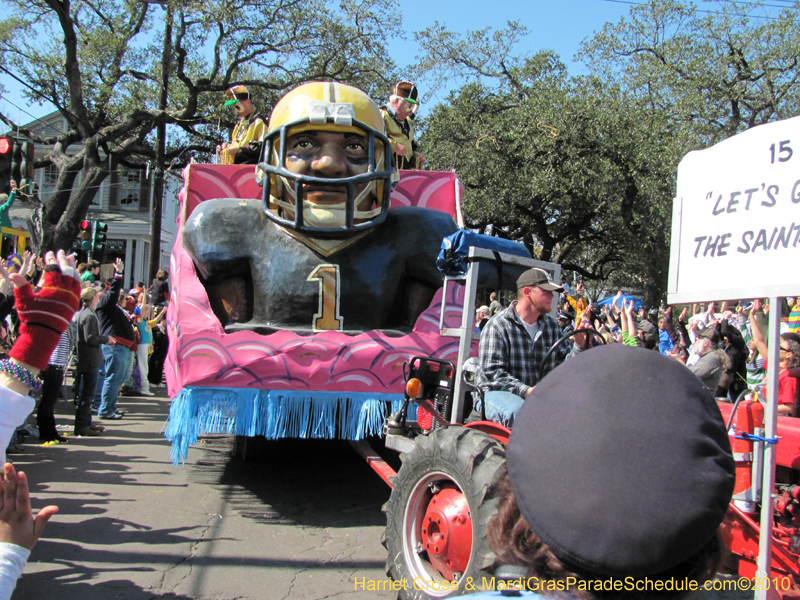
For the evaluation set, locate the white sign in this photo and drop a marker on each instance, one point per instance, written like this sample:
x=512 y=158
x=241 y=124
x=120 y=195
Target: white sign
x=736 y=218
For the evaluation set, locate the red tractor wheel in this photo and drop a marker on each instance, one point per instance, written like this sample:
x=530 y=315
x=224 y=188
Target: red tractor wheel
x=436 y=517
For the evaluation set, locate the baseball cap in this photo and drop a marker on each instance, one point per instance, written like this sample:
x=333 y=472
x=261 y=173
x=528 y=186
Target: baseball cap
x=88 y=293
x=576 y=433
x=236 y=93
x=407 y=90
x=537 y=278
x=483 y=309
x=710 y=334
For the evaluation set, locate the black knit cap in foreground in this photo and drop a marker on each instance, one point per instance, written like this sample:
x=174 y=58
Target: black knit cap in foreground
x=620 y=462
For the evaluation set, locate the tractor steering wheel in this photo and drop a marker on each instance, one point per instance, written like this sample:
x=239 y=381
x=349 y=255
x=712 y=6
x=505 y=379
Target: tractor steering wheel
x=566 y=336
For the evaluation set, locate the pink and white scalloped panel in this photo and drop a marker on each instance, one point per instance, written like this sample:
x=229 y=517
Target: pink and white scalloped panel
x=202 y=354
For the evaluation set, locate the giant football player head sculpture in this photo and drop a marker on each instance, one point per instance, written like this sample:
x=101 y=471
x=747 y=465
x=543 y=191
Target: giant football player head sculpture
x=328 y=162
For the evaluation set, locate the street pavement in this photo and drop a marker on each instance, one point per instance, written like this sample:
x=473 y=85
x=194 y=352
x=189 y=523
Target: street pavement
x=300 y=522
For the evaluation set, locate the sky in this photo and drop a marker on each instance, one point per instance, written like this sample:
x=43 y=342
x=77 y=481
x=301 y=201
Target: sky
x=559 y=25
x=555 y=24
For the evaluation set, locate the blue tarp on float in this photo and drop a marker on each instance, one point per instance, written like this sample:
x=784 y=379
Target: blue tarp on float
x=637 y=302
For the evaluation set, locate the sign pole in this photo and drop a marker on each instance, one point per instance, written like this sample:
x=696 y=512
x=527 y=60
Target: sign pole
x=770 y=431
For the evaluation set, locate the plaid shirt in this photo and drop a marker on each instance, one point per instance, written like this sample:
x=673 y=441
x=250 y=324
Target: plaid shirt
x=510 y=360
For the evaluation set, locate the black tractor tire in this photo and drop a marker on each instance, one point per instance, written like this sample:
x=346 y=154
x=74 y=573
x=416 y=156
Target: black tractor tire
x=472 y=461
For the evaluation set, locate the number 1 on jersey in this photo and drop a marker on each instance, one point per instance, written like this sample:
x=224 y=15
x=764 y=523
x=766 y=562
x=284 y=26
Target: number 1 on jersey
x=327 y=317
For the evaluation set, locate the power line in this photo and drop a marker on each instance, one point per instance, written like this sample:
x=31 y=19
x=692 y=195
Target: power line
x=789 y=4
x=715 y=12
x=35 y=118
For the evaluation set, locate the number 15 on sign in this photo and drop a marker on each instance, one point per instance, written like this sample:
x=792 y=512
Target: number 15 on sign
x=781 y=151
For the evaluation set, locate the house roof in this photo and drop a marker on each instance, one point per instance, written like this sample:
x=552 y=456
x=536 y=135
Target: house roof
x=21 y=212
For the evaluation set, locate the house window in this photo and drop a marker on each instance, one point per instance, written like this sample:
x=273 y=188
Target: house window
x=49 y=179
x=130 y=188
x=48 y=186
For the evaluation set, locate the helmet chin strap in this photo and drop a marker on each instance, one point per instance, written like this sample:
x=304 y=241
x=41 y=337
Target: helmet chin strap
x=309 y=208
x=287 y=185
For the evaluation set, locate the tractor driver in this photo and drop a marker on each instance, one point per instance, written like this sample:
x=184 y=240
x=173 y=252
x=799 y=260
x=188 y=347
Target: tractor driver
x=514 y=344
x=322 y=251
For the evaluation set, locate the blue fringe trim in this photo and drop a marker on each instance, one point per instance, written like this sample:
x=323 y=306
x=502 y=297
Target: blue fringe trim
x=275 y=414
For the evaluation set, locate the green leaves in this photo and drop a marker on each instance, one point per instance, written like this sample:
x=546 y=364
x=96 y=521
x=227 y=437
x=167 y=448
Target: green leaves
x=101 y=62
x=553 y=162
x=717 y=73
x=582 y=170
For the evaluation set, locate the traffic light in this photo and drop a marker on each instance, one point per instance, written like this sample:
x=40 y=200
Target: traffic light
x=26 y=168
x=98 y=236
x=6 y=154
x=86 y=236
x=16 y=161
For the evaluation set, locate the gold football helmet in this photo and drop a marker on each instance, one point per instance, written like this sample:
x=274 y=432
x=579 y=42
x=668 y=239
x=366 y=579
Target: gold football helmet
x=327 y=107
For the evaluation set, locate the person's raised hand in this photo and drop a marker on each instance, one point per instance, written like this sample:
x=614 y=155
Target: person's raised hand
x=616 y=298
x=27 y=259
x=676 y=354
x=17 y=523
x=629 y=308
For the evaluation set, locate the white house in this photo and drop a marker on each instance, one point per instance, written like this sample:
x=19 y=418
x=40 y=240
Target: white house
x=122 y=201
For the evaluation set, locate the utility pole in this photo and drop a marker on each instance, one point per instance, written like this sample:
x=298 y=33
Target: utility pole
x=161 y=133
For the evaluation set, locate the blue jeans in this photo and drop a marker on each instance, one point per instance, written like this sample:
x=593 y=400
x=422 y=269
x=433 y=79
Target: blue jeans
x=98 y=388
x=117 y=361
x=502 y=407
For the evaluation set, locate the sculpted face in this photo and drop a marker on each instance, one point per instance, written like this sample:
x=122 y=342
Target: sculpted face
x=328 y=155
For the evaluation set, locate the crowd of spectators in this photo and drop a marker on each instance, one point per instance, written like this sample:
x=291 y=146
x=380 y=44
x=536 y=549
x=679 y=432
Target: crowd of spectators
x=724 y=345
x=115 y=344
